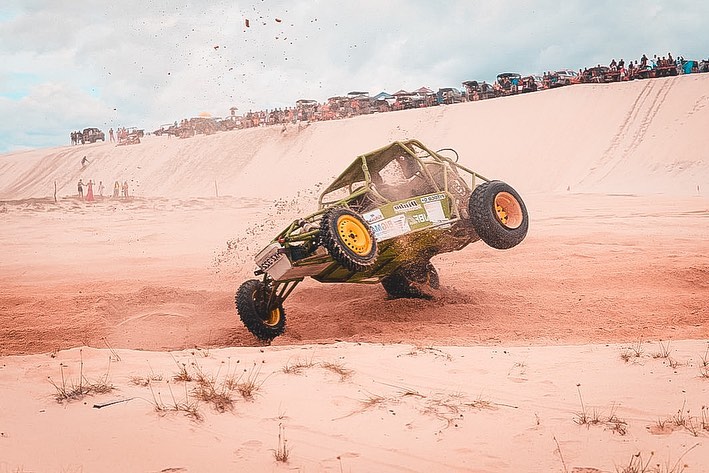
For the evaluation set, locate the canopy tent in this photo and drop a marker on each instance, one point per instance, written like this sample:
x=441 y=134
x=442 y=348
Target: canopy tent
x=383 y=96
x=424 y=91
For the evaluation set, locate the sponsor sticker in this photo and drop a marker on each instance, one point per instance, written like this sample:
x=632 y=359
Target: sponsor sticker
x=432 y=198
x=373 y=216
x=435 y=212
x=406 y=206
x=391 y=227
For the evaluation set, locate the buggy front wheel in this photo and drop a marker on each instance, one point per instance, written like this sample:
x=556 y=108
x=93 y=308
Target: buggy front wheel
x=264 y=321
x=498 y=214
x=349 y=239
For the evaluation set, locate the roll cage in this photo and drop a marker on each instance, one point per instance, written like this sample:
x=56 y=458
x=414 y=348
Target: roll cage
x=423 y=170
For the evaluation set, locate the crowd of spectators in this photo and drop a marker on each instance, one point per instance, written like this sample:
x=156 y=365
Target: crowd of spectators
x=361 y=103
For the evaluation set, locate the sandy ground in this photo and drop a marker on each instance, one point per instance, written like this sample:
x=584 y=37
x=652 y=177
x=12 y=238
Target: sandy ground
x=360 y=407
x=579 y=349
x=158 y=275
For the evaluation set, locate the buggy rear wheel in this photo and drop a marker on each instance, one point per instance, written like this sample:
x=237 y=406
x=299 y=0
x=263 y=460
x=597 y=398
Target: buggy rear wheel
x=349 y=239
x=263 y=321
x=412 y=281
x=498 y=214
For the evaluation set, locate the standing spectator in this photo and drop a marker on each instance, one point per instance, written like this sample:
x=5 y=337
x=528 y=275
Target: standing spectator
x=111 y=138
x=125 y=189
x=90 y=191
x=514 y=83
x=80 y=188
x=632 y=69
x=116 y=189
x=100 y=188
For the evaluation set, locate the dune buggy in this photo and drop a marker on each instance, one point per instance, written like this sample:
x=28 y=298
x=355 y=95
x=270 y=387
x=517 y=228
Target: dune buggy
x=381 y=221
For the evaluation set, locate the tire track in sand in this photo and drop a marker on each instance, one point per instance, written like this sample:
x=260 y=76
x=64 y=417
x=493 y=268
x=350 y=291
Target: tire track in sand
x=633 y=129
x=625 y=127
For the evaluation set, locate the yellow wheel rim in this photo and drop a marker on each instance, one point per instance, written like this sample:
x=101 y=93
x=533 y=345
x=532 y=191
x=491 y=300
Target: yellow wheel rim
x=354 y=234
x=508 y=210
x=273 y=317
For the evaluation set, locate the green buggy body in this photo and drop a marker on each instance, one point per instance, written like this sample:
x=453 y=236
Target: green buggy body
x=381 y=221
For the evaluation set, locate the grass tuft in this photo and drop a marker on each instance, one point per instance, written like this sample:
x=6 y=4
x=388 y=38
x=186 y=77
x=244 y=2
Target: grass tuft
x=704 y=365
x=337 y=368
x=612 y=421
x=638 y=465
x=298 y=366
x=679 y=419
x=190 y=407
x=144 y=381
x=664 y=352
x=373 y=400
x=637 y=349
x=76 y=389
x=282 y=452
x=250 y=386
x=218 y=395
x=436 y=352
x=633 y=352
x=182 y=375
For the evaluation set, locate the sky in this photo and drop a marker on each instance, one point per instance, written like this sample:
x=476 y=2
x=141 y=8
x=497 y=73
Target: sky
x=66 y=66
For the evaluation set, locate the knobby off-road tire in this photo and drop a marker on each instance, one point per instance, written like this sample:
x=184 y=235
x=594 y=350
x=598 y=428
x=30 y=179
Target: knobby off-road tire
x=349 y=239
x=498 y=215
x=412 y=281
x=265 y=323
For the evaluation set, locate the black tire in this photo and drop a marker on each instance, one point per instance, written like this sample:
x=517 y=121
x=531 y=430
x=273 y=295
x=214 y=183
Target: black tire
x=498 y=215
x=265 y=323
x=412 y=281
x=349 y=239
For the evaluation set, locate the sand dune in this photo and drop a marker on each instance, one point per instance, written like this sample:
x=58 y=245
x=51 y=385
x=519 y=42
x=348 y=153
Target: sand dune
x=632 y=137
x=583 y=349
